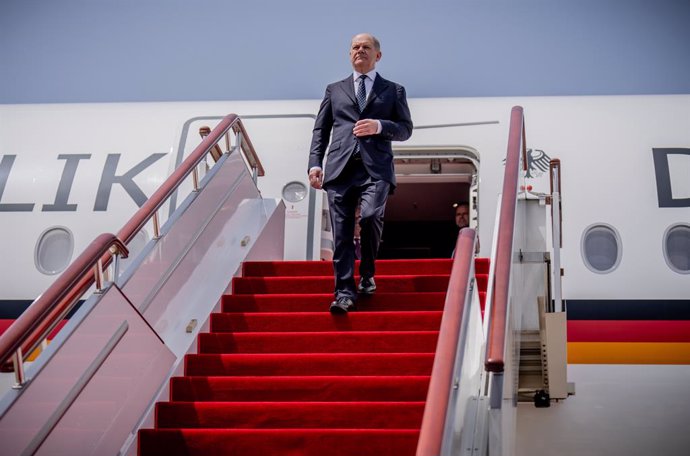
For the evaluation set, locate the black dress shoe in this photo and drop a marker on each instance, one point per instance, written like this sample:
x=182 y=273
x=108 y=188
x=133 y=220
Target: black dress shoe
x=342 y=306
x=366 y=285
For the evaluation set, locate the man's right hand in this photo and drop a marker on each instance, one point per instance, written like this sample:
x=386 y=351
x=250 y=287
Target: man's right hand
x=316 y=178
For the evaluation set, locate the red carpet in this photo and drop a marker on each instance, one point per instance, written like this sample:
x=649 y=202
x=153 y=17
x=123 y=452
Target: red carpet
x=279 y=375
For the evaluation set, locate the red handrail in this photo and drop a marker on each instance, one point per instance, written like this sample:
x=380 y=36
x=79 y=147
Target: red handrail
x=496 y=337
x=433 y=422
x=149 y=208
x=248 y=148
x=34 y=324
x=216 y=151
x=28 y=330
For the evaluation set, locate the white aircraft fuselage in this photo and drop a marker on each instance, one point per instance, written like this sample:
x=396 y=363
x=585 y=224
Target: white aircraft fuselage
x=69 y=172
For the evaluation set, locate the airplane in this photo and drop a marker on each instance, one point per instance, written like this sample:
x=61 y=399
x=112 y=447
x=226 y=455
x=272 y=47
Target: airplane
x=604 y=145
x=71 y=171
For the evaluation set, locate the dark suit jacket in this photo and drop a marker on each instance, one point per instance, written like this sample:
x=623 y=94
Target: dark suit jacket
x=339 y=112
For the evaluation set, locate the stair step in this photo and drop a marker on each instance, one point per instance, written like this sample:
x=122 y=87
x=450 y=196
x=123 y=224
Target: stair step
x=534 y=346
x=279 y=375
x=325 y=284
x=310 y=364
x=481 y=280
x=322 y=321
x=296 y=389
x=260 y=442
x=283 y=415
x=325 y=268
x=383 y=267
x=526 y=359
x=320 y=342
x=481 y=265
x=530 y=335
x=379 y=302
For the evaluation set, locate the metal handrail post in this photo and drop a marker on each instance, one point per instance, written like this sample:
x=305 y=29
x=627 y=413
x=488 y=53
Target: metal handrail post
x=98 y=274
x=556 y=238
x=18 y=363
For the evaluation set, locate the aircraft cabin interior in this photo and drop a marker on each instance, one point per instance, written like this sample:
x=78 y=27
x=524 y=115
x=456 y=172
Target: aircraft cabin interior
x=420 y=214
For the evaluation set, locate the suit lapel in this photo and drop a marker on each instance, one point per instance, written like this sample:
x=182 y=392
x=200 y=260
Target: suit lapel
x=380 y=86
x=348 y=87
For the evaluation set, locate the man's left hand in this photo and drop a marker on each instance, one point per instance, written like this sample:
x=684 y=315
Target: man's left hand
x=366 y=127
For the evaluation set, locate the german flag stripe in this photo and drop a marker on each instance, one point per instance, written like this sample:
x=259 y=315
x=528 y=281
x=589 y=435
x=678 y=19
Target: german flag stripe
x=628 y=353
x=629 y=331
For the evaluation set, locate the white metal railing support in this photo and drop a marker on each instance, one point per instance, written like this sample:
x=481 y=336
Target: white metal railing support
x=18 y=363
x=556 y=235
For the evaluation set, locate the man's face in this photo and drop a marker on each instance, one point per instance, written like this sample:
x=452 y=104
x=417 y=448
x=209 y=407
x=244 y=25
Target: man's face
x=462 y=216
x=363 y=53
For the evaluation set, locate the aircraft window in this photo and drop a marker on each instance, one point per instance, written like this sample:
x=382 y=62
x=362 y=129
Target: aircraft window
x=601 y=248
x=294 y=192
x=54 y=250
x=677 y=248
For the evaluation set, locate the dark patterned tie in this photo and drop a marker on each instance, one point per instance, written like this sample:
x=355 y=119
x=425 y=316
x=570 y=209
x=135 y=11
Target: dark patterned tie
x=361 y=93
x=361 y=101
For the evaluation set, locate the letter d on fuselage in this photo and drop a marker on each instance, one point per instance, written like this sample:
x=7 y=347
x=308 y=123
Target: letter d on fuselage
x=672 y=182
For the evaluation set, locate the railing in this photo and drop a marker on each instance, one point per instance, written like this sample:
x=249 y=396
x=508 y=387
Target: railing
x=498 y=318
x=44 y=314
x=243 y=142
x=557 y=233
x=458 y=300
x=555 y=189
x=35 y=324
x=149 y=210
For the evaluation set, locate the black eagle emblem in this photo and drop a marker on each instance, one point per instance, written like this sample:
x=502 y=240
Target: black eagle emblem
x=537 y=163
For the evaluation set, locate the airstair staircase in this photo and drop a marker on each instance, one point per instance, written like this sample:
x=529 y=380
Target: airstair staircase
x=277 y=374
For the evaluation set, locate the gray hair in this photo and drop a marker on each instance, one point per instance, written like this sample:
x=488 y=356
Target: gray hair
x=377 y=43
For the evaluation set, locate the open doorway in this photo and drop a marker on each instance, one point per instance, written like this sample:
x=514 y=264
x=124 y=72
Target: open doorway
x=420 y=215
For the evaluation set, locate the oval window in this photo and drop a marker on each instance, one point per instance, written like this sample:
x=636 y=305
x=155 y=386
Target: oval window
x=294 y=192
x=601 y=248
x=677 y=248
x=54 y=250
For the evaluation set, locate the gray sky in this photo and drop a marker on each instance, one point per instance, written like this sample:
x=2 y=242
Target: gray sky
x=172 y=50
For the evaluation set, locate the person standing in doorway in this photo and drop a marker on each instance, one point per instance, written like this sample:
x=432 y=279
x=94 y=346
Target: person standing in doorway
x=364 y=112
x=462 y=220
x=462 y=215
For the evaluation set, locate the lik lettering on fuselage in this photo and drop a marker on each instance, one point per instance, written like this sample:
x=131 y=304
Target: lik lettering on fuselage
x=109 y=178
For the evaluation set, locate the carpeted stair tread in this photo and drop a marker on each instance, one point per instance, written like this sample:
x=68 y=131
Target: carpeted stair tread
x=482 y=281
x=383 y=267
x=319 y=302
x=324 y=284
x=279 y=375
x=320 y=342
x=323 y=321
x=278 y=442
x=282 y=415
x=310 y=364
x=324 y=268
x=481 y=265
x=300 y=388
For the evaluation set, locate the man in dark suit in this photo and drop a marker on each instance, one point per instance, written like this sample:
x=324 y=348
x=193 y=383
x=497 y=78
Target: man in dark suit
x=365 y=113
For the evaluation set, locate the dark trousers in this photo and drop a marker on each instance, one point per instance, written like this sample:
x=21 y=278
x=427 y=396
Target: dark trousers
x=352 y=186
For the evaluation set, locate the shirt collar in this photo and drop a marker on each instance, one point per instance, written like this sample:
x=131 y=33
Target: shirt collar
x=371 y=75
